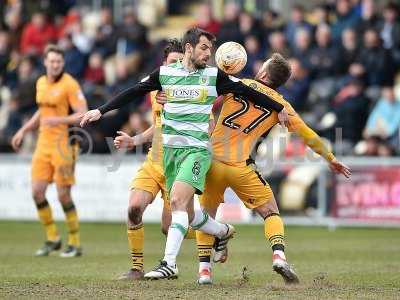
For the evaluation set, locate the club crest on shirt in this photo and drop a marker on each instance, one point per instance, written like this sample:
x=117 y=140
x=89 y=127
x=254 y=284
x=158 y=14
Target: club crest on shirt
x=253 y=85
x=204 y=80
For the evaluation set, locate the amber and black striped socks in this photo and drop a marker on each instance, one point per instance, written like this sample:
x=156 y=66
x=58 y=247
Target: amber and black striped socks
x=46 y=218
x=136 y=244
x=72 y=221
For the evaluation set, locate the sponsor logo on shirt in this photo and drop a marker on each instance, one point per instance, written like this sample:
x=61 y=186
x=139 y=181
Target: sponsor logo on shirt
x=187 y=94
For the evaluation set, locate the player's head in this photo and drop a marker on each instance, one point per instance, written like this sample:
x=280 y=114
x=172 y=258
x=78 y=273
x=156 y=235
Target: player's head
x=53 y=61
x=197 y=45
x=172 y=52
x=275 y=71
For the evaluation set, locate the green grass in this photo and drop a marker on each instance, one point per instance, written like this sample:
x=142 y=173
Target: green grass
x=343 y=264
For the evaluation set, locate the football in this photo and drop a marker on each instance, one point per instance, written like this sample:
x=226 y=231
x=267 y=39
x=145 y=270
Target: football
x=231 y=57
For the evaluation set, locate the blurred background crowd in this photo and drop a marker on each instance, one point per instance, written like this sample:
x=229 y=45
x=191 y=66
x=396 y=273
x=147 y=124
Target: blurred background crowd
x=345 y=58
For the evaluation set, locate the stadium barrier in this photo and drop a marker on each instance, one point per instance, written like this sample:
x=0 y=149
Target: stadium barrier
x=370 y=198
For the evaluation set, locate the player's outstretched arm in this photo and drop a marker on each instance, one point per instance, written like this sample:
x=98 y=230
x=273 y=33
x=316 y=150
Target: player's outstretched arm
x=32 y=124
x=314 y=141
x=125 y=141
x=148 y=84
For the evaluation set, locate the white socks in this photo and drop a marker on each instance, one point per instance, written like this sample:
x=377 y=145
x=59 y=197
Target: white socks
x=280 y=253
x=178 y=229
x=203 y=222
x=176 y=234
x=204 y=265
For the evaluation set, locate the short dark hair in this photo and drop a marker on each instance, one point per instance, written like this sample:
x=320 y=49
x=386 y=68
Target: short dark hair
x=173 y=45
x=192 y=36
x=52 y=48
x=298 y=7
x=392 y=6
x=278 y=70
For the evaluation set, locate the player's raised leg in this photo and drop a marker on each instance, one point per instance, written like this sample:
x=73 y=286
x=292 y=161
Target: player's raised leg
x=71 y=219
x=193 y=166
x=53 y=241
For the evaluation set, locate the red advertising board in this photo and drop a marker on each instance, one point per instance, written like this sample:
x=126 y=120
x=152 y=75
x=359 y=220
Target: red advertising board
x=372 y=193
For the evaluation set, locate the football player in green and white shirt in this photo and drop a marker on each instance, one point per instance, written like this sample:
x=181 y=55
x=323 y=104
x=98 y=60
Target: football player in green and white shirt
x=191 y=87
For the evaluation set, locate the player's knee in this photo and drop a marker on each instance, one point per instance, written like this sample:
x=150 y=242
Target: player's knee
x=38 y=195
x=135 y=214
x=177 y=203
x=267 y=210
x=64 y=198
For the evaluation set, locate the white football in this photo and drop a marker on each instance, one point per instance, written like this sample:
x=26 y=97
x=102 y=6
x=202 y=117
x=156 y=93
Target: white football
x=231 y=57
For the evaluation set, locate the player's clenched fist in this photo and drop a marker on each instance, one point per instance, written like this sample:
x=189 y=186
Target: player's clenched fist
x=161 y=97
x=17 y=140
x=123 y=140
x=91 y=116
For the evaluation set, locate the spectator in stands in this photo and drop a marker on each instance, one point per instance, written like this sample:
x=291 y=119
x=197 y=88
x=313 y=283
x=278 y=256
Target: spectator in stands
x=277 y=43
x=37 y=34
x=205 y=19
x=389 y=30
x=123 y=78
x=229 y=30
x=132 y=33
x=296 y=23
x=350 y=107
x=74 y=60
x=68 y=22
x=13 y=21
x=94 y=73
x=302 y=46
x=254 y=54
x=320 y=15
x=105 y=39
x=248 y=25
x=82 y=41
x=271 y=21
x=23 y=99
x=345 y=17
x=5 y=52
x=376 y=60
x=374 y=146
x=296 y=88
x=324 y=57
x=348 y=51
x=24 y=95
x=384 y=120
x=369 y=17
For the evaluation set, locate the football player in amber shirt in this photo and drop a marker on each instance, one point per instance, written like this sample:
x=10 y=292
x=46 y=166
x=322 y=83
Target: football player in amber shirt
x=239 y=127
x=61 y=103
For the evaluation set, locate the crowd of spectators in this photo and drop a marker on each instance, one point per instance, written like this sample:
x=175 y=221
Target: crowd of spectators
x=345 y=56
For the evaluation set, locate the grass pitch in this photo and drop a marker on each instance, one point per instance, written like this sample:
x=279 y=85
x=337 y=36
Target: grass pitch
x=343 y=264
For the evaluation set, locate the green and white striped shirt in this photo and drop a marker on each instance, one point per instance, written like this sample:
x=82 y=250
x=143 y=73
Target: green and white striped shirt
x=190 y=97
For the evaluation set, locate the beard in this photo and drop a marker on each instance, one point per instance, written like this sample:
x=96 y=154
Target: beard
x=198 y=64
